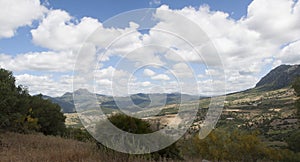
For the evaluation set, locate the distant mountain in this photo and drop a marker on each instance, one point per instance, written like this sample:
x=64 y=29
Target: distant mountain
x=130 y=103
x=280 y=77
x=65 y=102
x=142 y=100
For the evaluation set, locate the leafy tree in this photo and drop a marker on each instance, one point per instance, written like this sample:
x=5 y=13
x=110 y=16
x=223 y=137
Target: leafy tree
x=130 y=124
x=13 y=102
x=21 y=112
x=49 y=115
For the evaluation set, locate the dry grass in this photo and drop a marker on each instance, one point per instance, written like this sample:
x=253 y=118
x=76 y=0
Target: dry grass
x=37 y=147
x=16 y=147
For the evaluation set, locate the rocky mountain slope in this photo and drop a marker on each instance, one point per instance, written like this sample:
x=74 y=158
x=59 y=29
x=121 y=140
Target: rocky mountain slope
x=280 y=77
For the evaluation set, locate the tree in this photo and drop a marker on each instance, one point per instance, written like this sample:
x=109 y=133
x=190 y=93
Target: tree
x=130 y=124
x=21 y=112
x=49 y=115
x=13 y=102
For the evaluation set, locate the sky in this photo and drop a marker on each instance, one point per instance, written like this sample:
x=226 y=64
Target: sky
x=114 y=47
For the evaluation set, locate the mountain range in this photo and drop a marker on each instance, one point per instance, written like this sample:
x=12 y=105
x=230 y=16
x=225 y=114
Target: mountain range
x=279 y=77
x=140 y=100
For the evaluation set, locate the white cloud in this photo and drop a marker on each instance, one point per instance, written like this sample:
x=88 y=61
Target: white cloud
x=16 y=13
x=59 y=31
x=146 y=84
x=148 y=72
x=183 y=70
x=244 y=45
x=212 y=72
x=45 y=84
x=105 y=82
x=276 y=20
x=160 y=77
x=290 y=54
x=39 y=61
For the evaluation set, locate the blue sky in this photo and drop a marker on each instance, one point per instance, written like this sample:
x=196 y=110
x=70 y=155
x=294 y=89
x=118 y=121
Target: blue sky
x=105 y=9
x=40 y=42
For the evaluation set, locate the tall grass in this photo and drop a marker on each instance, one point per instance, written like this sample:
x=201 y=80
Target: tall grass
x=16 y=147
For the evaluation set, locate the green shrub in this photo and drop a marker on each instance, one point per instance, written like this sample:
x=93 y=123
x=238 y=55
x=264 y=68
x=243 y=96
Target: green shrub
x=139 y=126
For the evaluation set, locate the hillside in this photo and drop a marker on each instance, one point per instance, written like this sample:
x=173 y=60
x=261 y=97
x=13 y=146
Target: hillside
x=280 y=77
x=269 y=107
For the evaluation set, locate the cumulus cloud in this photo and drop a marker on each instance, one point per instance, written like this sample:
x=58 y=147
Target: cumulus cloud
x=244 y=45
x=59 y=31
x=275 y=20
x=45 y=84
x=39 y=61
x=290 y=54
x=15 y=14
x=148 y=72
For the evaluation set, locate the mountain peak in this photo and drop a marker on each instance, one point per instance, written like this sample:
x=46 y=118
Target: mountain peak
x=280 y=77
x=82 y=91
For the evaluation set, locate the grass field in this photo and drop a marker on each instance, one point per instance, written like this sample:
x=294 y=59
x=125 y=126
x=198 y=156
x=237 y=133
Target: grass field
x=37 y=147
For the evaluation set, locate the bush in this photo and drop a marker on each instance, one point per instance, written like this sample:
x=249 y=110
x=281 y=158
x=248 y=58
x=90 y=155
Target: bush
x=139 y=126
x=294 y=141
x=228 y=145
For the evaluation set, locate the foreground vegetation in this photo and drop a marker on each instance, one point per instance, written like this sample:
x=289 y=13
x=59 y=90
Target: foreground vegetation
x=38 y=147
x=23 y=113
x=33 y=129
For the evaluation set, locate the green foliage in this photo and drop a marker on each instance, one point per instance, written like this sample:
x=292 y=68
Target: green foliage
x=296 y=86
x=12 y=99
x=229 y=145
x=294 y=141
x=49 y=115
x=139 y=126
x=21 y=112
x=130 y=124
x=283 y=155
